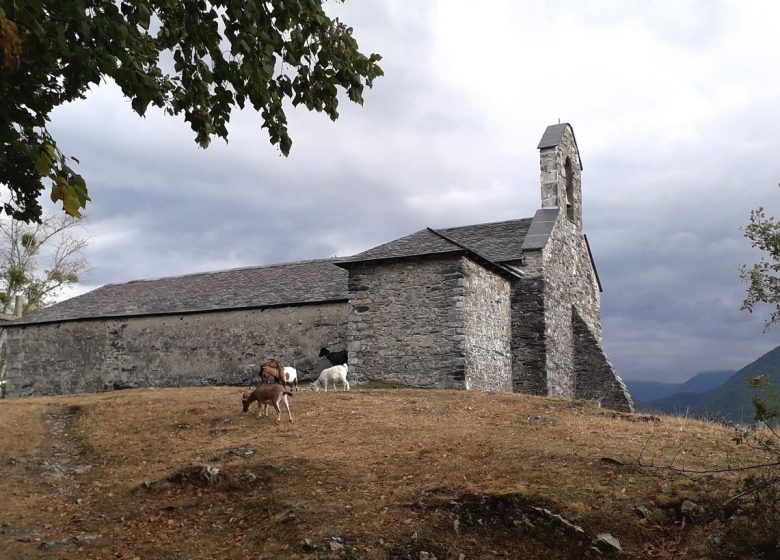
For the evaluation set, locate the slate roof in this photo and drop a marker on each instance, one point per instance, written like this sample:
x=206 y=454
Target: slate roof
x=242 y=288
x=282 y=284
x=497 y=242
x=541 y=227
x=552 y=135
x=423 y=242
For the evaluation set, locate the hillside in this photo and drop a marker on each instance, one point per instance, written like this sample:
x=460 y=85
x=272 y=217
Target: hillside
x=731 y=401
x=182 y=473
x=645 y=391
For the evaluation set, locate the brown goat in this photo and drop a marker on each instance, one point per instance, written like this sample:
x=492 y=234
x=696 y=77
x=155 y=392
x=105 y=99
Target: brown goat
x=272 y=372
x=266 y=394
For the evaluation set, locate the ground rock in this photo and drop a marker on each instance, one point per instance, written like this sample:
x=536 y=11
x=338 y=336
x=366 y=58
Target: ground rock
x=557 y=520
x=70 y=541
x=605 y=542
x=336 y=544
x=644 y=512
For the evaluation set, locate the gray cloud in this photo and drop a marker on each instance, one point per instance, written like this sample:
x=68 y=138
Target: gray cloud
x=675 y=111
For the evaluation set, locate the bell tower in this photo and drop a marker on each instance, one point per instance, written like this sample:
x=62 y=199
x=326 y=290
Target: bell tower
x=561 y=169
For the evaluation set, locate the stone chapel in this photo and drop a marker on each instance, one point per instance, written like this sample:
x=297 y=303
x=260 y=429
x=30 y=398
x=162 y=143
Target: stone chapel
x=503 y=306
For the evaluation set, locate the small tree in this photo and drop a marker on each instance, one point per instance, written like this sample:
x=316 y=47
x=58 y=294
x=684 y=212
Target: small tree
x=763 y=278
x=38 y=260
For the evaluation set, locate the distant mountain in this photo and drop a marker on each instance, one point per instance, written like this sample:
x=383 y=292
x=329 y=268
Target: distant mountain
x=646 y=391
x=730 y=401
x=679 y=404
x=706 y=381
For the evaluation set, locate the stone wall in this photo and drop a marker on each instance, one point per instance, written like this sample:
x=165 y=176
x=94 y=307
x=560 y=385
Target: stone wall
x=488 y=329
x=596 y=379
x=529 y=362
x=406 y=322
x=169 y=351
x=569 y=280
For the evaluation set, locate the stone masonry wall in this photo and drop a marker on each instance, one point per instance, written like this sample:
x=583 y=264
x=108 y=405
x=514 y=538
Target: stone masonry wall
x=177 y=350
x=488 y=325
x=569 y=281
x=596 y=379
x=529 y=363
x=406 y=322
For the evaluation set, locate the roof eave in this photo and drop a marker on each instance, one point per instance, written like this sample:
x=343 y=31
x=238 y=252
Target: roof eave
x=593 y=264
x=173 y=313
x=345 y=264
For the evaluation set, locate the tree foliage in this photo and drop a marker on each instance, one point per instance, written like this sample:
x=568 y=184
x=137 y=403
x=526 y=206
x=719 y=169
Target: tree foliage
x=763 y=278
x=189 y=57
x=37 y=260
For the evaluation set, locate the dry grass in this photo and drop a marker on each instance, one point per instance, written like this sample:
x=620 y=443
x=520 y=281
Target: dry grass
x=389 y=472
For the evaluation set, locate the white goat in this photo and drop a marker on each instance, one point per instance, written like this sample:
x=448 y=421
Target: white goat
x=290 y=377
x=333 y=375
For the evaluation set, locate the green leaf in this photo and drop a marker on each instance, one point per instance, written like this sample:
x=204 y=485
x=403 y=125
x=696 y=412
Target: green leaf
x=42 y=165
x=140 y=105
x=285 y=143
x=45 y=159
x=143 y=15
x=65 y=192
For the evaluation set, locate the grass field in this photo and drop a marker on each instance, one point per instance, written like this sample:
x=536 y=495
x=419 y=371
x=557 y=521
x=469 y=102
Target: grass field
x=380 y=473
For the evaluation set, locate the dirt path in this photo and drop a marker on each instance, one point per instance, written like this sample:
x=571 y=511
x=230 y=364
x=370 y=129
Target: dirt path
x=56 y=465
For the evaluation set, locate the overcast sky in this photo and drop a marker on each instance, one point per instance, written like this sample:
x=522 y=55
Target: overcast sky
x=676 y=109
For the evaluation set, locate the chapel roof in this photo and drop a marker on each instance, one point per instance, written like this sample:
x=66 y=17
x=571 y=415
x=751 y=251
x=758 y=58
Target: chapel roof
x=241 y=288
x=497 y=242
x=296 y=283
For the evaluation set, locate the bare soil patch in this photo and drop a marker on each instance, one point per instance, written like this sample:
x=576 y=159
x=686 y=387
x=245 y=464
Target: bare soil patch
x=389 y=473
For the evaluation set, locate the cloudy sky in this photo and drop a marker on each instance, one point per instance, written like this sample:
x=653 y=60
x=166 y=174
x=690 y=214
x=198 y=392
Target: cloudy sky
x=676 y=109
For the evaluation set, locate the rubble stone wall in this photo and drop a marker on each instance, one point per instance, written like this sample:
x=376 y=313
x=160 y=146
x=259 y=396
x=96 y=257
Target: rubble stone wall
x=216 y=348
x=488 y=329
